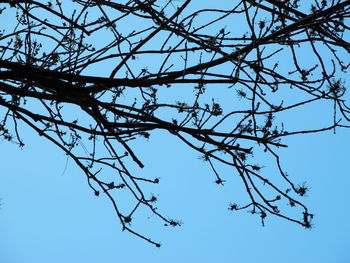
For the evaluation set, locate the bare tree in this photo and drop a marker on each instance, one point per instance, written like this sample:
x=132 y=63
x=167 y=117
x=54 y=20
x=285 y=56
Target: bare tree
x=130 y=68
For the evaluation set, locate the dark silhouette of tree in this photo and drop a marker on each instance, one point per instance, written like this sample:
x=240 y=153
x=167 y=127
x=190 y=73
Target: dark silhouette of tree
x=100 y=73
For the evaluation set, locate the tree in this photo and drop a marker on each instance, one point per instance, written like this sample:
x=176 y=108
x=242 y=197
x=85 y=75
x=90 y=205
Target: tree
x=90 y=57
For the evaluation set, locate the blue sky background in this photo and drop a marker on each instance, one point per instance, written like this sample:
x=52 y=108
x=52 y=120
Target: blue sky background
x=47 y=216
x=48 y=213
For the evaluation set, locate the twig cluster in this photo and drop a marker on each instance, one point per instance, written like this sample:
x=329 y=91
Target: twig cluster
x=89 y=57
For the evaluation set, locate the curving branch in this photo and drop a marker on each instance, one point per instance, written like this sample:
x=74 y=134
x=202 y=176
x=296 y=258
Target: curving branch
x=53 y=61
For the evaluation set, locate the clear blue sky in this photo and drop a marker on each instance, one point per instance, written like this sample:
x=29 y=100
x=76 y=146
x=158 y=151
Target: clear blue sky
x=47 y=216
x=48 y=213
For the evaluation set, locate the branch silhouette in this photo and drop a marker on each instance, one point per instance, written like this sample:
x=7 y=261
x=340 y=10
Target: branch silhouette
x=89 y=57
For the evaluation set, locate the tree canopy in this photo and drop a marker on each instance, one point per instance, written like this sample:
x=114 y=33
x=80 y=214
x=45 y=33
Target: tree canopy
x=93 y=76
